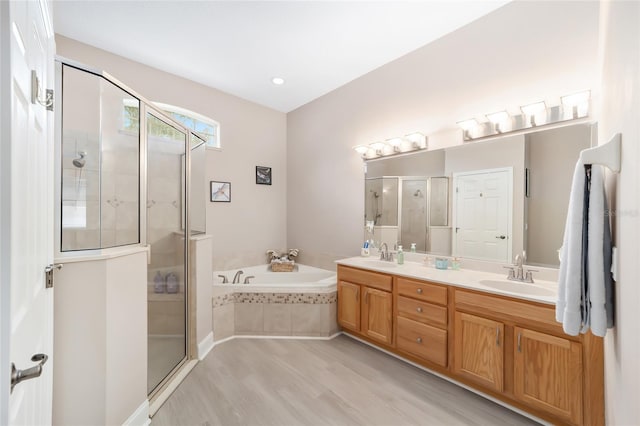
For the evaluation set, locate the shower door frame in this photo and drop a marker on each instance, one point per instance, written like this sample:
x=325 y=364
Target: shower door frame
x=145 y=106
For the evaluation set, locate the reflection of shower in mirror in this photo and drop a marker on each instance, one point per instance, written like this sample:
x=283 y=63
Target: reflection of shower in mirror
x=80 y=161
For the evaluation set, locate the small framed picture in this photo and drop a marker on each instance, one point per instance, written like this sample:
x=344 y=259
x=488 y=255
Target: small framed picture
x=220 y=192
x=263 y=175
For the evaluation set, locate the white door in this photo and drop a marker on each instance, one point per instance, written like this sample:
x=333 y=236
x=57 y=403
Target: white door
x=26 y=209
x=483 y=215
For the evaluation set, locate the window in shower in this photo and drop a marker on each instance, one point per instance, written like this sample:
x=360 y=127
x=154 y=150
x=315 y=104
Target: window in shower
x=100 y=164
x=205 y=127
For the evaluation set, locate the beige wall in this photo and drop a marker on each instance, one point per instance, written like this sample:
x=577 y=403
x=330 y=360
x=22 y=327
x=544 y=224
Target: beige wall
x=620 y=112
x=521 y=53
x=251 y=135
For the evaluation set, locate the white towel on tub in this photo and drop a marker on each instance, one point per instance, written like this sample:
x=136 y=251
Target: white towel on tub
x=568 y=305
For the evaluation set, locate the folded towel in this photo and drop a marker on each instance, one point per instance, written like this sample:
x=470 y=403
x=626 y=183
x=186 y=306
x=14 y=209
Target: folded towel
x=568 y=305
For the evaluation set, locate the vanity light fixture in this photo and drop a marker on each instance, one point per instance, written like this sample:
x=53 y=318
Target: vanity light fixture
x=577 y=103
x=572 y=107
x=533 y=110
x=499 y=120
x=467 y=126
x=417 y=139
x=278 y=81
x=395 y=144
x=362 y=150
x=378 y=147
x=412 y=142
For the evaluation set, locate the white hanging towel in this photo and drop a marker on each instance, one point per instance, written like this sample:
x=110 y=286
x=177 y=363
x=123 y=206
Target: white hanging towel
x=585 y=286
x=599 y=268
x=568 y=305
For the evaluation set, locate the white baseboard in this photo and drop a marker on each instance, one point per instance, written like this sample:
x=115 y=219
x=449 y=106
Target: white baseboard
x=205 y=346
x=248 y=336
x=140 y=417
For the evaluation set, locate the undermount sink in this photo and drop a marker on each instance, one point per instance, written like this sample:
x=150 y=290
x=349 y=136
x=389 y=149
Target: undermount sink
x=374 y=263
x=518 y=287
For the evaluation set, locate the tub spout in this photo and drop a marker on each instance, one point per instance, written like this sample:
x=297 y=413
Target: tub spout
x=236 y=277
x=246 y=279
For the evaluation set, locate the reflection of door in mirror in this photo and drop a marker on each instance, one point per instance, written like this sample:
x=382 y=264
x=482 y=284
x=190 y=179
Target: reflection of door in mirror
x=483 y=214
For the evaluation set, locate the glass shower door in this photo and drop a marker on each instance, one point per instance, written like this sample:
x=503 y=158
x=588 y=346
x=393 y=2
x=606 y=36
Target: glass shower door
x=166 y=213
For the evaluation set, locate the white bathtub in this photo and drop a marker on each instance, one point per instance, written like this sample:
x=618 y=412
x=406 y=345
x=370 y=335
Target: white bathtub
x=304 y=279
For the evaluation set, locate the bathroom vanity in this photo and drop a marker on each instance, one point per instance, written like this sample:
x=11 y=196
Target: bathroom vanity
x=479 y=330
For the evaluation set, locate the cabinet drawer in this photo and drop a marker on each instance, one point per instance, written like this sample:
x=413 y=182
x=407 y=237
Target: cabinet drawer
x=422 y=311
x=423 y=291
x=422 y=340
x=370 y=279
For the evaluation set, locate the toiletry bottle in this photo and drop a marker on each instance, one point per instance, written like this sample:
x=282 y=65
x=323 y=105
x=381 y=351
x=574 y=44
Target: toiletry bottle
x=455 y=264
x=159 y=284
x=413 y=247
x=400 y=256
x=172 y=283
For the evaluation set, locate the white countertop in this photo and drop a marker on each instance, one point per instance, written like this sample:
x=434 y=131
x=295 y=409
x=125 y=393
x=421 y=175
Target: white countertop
x=540 y=291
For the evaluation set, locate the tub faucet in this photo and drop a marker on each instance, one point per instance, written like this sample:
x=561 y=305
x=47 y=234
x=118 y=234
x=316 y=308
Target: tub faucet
x=224 y=279
x=236 y=277
x=246 y=279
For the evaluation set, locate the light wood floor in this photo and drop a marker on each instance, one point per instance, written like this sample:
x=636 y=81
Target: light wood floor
x=314 y=382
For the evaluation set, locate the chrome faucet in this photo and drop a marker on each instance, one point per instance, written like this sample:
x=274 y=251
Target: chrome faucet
x=236 y=277
x=224 y=279
x=246 y=279
x=385 y=254
x=517 y=272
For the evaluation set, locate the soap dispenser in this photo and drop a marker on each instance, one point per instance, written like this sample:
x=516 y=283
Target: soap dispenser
x=400 y=256
x=413 y=247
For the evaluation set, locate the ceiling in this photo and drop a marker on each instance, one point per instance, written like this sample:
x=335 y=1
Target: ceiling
x=239 y=46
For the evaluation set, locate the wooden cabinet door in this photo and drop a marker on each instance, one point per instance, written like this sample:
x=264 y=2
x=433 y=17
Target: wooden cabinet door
x=479 y=352
x=548 y=373
x=349 y=305
x=376 y=313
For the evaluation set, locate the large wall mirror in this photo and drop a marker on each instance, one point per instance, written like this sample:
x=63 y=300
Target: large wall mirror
x=487 y=200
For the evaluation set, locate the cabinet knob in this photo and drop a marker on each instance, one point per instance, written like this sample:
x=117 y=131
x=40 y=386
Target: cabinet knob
x=419 y=309
x=419 y=291
x=419 y=340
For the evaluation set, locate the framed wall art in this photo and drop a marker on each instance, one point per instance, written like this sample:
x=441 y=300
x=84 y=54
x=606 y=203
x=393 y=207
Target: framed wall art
x=220 y=192
x=263 y=175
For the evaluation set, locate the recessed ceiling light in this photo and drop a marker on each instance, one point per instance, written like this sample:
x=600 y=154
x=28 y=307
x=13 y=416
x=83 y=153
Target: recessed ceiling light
x=278 y=81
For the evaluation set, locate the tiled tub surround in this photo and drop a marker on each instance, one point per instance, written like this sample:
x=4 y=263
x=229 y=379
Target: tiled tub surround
x=299 y=303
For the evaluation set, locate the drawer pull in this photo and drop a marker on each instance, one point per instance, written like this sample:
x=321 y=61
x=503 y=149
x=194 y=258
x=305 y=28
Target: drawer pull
x=419 y=291
x=519 y=343
x=357 y=295
x=419 y=309
x=419 y=340
x=497 y=336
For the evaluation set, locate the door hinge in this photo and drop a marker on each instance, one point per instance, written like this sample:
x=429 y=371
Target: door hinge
x=36 y=93
x=456 y=189
x=48 y=273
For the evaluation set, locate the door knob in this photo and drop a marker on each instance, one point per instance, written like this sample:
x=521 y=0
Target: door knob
x=502 y=237
x=18 y=376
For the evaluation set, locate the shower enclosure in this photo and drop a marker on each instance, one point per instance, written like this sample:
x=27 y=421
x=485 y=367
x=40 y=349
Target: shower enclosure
x=125 y=180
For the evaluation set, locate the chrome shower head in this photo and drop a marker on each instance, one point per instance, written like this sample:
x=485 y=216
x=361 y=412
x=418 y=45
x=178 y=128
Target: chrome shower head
x=80 y=162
